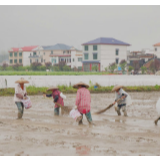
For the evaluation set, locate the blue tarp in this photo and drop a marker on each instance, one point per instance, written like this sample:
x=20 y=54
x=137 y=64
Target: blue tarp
x=119 y=69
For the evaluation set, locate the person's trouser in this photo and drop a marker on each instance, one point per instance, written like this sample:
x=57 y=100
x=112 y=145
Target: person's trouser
x=123 y=107
x=156 y=121
x=56 y=111
x=20 y=107
x=88 y=116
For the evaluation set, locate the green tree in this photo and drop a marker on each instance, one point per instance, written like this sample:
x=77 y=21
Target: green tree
x=35 y=66
x=95 y=68
x=48 y=65
x=130 y=68
x=123 y=65
x=112 y=67
x=4 y=66
x=66 y=68
x=143 y=69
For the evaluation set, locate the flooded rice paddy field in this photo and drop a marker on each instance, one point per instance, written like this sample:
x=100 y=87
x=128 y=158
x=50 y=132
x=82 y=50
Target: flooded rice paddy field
x=42 y=133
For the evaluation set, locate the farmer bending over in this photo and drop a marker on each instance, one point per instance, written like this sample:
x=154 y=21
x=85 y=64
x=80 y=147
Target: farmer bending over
x=125 y=99
x=58 y=98
x=83 y=101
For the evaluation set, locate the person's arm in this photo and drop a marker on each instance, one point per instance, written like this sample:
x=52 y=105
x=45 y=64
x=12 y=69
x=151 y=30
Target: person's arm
x=78 y=98
x=18 y=95
x=25 y=94
x=48 y=95
x=56 y=98
x=124 y=95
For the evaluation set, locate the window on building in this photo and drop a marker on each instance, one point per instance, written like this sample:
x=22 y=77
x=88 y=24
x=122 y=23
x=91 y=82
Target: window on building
x=70 y=60
x=11 y=61
x=11 y=54
x=86 y=48
x=95 y=47
x=64 y=52
x=34 y=53
x=20 y=60
x=86 y=56
x=73 y=59
x=30 y=61
x=94 y=55
x=79 y=59
x=15 y=61
x=117 y=52
x=117 y=60
x=41 y=60
x=51 y=52
x=15 y=54
x=20 y=54
x=44 y=53
x=155 y=49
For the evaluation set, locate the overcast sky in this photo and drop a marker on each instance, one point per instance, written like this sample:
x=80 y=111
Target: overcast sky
x=74 y=25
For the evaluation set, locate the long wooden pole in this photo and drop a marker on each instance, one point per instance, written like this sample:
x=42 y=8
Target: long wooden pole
x=103 y=110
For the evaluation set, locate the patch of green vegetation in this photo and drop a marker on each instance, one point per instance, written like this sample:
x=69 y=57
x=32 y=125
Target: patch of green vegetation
x=32 y=90
x=54 y=73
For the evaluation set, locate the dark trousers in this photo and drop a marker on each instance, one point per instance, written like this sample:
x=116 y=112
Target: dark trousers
x=88 y=116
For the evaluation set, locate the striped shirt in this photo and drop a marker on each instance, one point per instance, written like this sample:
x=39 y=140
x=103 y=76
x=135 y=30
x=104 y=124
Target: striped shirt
x=83 y=100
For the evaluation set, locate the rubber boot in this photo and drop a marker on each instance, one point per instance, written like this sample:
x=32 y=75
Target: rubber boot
x=79 y=119
x=20 y=115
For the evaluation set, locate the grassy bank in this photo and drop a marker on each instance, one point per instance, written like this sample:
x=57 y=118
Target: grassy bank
x=43 y=73
x=31 y=90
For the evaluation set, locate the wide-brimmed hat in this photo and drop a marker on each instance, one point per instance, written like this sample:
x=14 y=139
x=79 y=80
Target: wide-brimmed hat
x=21 y=81
x=80 y=84
x=52 y=88
x=116 y=87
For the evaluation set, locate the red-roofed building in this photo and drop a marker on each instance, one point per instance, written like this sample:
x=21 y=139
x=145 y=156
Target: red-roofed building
x=20 y=55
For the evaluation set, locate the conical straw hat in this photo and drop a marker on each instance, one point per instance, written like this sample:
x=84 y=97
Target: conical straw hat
x=81 y=84
x=52 y=88
x=22 y=80
x=116 y=88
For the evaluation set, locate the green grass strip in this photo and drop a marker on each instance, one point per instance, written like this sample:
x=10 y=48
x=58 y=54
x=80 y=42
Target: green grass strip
x=32 y=90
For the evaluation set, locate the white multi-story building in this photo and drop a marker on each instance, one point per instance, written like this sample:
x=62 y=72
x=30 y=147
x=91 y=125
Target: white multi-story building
x=103 y=51
x=157 y=49
x=76 y=58
x=21 y=55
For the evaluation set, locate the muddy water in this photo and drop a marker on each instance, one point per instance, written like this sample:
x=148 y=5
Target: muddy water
x=41 y=133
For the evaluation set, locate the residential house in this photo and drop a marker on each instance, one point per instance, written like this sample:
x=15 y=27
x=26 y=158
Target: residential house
x=76 y=58
x=58 y=53
x=102 y=51
x=157 y=49
x=37 y=55
x=137 y=61
x=20 y=55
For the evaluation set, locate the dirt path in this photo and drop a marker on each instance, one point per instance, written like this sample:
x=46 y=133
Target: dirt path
x=41 y=133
